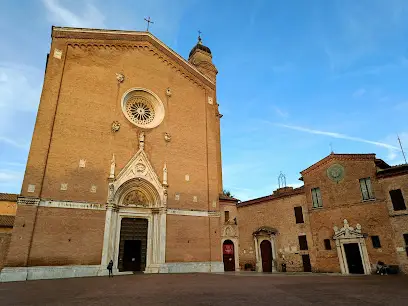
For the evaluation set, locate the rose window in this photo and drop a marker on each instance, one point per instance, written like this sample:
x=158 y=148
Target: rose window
x=140 y=110
x=143 y=108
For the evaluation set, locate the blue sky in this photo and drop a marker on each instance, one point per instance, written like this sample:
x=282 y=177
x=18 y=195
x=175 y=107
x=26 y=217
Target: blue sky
x=294 y=76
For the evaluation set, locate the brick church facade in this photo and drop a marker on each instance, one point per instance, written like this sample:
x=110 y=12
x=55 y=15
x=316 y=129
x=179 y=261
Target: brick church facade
x=125 y=161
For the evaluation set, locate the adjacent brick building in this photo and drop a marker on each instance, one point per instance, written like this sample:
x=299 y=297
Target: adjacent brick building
x=350 y=214
x=8 y=207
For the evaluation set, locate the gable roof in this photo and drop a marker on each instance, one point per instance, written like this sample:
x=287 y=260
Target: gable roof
x=393 y=171
x=115 y=36
x=8 y=197
x=224 y=197
x=332 y=156
x=274 y=196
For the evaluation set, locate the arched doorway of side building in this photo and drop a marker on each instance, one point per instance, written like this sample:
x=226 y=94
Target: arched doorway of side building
x=228 y=255
x=266 y=255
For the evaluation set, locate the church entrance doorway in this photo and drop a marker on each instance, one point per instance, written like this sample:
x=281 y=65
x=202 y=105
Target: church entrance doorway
x=228 y=255
x=132 y=244
x=266 y=256
x=353 y=256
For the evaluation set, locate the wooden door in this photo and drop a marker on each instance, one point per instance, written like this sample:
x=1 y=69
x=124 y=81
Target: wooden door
x=228 y=255
x=307 y=267
x=266 y=256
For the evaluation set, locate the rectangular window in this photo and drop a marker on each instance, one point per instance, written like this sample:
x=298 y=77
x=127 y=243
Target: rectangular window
x=327 y=244
x=316 y=198
x=299 y=214
x=366 y=191
x=397 y=199
x=303 y=242
x=226 y=215
x=376 y=242
x=406 y=243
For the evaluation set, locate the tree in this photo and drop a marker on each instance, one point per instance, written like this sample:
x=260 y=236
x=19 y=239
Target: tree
x=227 y=193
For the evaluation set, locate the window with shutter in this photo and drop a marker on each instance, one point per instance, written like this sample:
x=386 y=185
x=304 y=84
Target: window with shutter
x=366 y=191
x=327 y=244
x=226 y=215
x=397 y=199
x=316 y=198
x=376 y=242
x=303 y=242
x=299 y=214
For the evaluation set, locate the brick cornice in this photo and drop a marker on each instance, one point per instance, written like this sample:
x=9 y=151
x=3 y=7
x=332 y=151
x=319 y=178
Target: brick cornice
x=135 y=40
x=331 y=157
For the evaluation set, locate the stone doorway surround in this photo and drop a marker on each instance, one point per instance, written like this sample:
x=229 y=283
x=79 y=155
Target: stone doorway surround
x=230 y=232
x=348 y=234
x=136 y=192
x=261 y=234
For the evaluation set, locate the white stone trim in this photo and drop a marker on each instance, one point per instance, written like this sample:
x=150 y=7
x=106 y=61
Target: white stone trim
x=10 y=274
x=194 y=213
x=192 y=267
x=68 y=204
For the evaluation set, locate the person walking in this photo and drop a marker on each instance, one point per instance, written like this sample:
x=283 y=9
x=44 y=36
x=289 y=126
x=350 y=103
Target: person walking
x=110 y=267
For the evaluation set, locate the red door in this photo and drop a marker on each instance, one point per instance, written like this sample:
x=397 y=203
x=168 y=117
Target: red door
x=266 y=255
x=228 y=255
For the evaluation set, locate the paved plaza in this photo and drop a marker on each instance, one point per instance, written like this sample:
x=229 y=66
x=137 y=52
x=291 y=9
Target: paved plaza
x=210 y=289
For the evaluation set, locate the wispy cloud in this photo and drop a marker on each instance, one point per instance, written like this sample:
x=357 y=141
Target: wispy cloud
x=90 y=16
x=280 y=112
x=13 y=143
x=337 y=135
x=359 y=93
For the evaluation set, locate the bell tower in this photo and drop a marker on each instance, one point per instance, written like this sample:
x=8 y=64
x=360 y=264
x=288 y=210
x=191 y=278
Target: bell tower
x=200 y=56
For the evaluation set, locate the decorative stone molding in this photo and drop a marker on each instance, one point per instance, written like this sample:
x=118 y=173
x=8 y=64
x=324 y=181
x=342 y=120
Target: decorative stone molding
x=165 y=175
x=195 y=213
x=120 y=77
x=67 y=204
x=214 y=214
x=93 y=189
x=64 y=186
x=28 y=201
x=31 y=188
x=346 y=235
x=335 y=172
x=167 y=137
x=142 y=107
x=57 y=53
x=112 y=167
x=168 y=92
x=347 y=232
x=82 y=163
x=210 y=100
x=115 y=127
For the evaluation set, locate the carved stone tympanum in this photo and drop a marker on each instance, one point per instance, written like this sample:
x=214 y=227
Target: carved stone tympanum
x=135 y=197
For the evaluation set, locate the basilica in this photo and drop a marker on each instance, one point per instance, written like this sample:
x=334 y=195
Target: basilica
x=125 y=165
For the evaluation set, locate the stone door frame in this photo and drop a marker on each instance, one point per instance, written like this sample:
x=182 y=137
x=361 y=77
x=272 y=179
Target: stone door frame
x=236 y=251
x=260 y=235
x=347 y=235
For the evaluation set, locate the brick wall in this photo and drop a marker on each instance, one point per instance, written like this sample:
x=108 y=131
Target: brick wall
x=277 y=213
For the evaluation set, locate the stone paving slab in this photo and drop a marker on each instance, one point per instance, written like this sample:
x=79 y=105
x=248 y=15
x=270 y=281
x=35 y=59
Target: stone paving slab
x=209 y=289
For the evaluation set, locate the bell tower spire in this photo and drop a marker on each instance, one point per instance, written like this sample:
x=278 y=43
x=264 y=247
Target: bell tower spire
x=201 y=57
